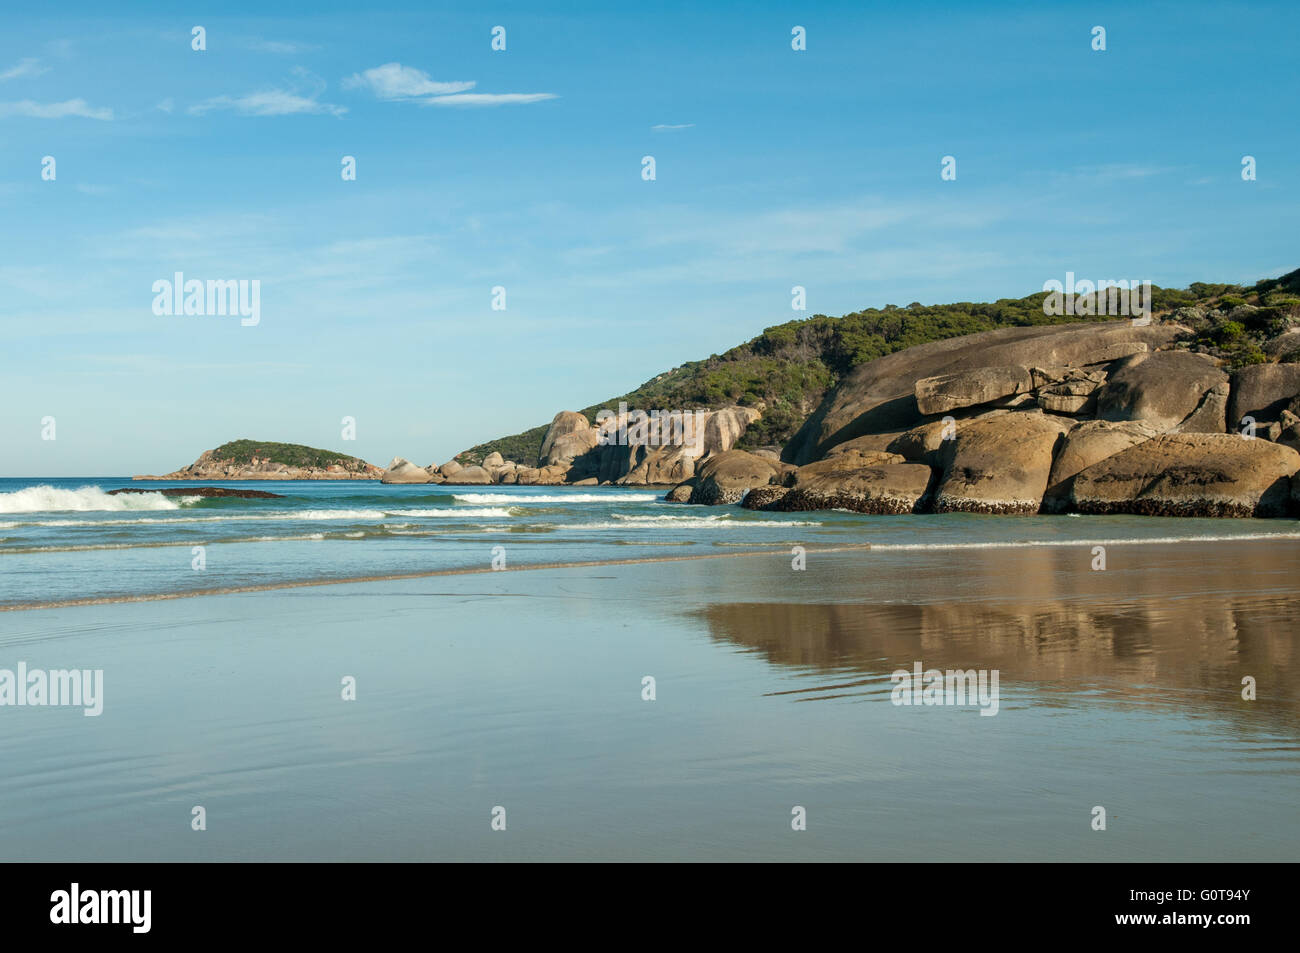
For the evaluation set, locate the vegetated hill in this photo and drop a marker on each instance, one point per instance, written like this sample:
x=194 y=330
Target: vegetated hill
x=289 y=454
x=787 y=370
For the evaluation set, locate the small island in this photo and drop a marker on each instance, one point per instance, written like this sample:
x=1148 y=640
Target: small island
x=265 y=460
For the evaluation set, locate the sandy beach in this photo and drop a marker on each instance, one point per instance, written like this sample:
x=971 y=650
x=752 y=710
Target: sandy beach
x=524 y=690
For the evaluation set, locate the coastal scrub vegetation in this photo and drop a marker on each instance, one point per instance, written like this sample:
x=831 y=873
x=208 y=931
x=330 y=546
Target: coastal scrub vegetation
x=289 y=454
x=786 y=370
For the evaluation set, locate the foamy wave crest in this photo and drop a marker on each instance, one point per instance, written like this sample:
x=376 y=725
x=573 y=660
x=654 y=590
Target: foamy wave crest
x=49 y=499
x=517 y=498
x=675 y=518
x=455 y=513
x=692 y=522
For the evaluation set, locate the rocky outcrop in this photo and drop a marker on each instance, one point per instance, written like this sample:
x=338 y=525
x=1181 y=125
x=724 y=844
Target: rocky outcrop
x=1093 y=441
x=762 y=497
x=1163 y=389
x=999 y=464
x=562 y=424
x=722 y=428
x=662 y=466
x=879 y=396
x=1085 y=444
x=566 y=447
x=1262 y=391
x=682 y=493
x=218 y=492
x=939 y=395
x=473 y=475
x=840 y=463
x=882 y=490
x=1074 y=393
x=632 y=448
x=922 y=444
x=1212 y=415
x=404 y=471
x=212 y=466
x=726 y=477
x=1190 y=475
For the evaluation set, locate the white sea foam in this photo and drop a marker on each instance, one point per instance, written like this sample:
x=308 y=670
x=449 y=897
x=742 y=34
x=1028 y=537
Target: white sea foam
x=455 y=513
x=671 y=517
x=516 y=498
x=690 y=522
x=280 y=516
x=49 y=499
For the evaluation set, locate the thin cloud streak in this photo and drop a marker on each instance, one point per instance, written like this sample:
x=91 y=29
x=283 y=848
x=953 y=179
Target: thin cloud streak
x=69 y=108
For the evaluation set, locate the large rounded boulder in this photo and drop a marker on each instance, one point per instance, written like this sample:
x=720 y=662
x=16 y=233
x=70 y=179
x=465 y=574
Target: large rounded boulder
x=880 y=396
x=888 y=489
x=725 y=478
x=999 y=464
x=1164 y=388
x=404 y=471
x=1262 y=392
x=1190 y=475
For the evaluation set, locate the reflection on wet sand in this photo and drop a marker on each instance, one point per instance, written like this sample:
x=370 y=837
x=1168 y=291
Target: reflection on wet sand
x=1162 y=625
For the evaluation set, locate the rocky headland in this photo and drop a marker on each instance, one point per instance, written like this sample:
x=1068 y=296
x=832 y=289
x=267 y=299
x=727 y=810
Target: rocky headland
x=1191 y=411
x=1092 y=417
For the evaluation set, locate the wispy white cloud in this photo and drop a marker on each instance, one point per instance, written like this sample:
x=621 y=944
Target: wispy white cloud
x=25 y=67
x=293 y=101
x=397 y=83
x=167 y=105
x=487 y=99
x=268 y=102
x=665 y=127
x=71 y=107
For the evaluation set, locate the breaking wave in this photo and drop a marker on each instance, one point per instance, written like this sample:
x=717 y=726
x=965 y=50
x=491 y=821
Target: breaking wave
x=49 y=499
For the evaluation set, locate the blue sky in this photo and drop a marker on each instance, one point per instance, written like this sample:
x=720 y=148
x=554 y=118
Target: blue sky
x=522 y=169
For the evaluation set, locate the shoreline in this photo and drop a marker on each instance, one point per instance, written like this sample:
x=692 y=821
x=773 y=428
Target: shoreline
x=391 y=577
x=1051 y=544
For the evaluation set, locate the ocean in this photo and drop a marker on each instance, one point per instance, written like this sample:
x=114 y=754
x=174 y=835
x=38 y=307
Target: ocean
x=227 y=630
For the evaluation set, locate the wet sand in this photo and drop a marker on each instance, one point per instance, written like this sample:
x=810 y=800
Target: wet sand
x=1120 y=688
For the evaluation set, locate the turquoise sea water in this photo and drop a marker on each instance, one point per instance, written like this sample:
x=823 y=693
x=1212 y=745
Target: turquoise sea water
x=1119 y=687
x=68 y=539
